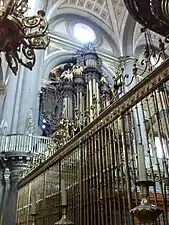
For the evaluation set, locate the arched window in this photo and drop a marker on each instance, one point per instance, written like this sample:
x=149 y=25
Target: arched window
x=84 y=33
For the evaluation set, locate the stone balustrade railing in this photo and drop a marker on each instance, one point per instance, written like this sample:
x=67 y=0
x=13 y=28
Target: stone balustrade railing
x=23 y=143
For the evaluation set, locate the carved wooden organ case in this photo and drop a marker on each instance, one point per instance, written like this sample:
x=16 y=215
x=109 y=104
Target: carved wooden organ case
x=76 y=92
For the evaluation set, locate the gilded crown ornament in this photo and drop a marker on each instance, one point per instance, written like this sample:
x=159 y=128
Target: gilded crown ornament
x=20 y=34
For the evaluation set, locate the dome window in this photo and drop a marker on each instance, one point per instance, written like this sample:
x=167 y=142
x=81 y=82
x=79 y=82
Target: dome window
x=84 y=33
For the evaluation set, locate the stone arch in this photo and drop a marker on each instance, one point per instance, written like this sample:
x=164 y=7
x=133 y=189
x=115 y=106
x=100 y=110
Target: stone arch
x=110 y=74
x=90 y=19
x=86 y=16
x=56 y=58
x=127 y=35
x=100 y=27
x=53 y=9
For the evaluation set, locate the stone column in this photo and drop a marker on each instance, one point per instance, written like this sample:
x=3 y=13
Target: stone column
x=30 y=96
x=22 y=95
x=2 y=184
x=22 y=92
x=5 y=195
x=3 y=80
x=10 y=99
x=37 y=71
x=13 y=194
x=16 y=163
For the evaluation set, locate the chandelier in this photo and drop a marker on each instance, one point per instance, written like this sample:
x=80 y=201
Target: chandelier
x=20 y=34
x=152 y=14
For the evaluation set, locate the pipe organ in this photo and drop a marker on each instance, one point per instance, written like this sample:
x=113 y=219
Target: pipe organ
x=77 y=93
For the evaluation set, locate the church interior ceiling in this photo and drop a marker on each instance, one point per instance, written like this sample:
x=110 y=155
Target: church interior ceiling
x=117 y=34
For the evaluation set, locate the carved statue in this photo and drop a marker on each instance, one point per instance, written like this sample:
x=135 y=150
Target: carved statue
x=90 y=47
x=77 y=69
x=30 y=128
x=67 y=75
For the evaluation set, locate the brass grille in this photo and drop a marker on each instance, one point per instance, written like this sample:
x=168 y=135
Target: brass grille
x=101 y=164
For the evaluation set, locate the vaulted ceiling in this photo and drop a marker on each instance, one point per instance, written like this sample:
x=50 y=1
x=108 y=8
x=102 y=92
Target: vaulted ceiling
x=119 y=34
x=110 y=12
x=111 y=15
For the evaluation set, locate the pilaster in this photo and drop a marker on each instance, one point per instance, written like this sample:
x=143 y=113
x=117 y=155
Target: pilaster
x=29 y=99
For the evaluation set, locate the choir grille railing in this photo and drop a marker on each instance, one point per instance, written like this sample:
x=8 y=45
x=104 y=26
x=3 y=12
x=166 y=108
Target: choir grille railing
x=106 y=163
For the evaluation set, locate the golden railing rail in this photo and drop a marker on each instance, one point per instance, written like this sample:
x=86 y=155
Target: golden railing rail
x=146 y=86
x=103 y=164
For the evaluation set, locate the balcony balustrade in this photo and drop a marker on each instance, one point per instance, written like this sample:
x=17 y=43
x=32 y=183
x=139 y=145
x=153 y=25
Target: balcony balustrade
x=12 y=143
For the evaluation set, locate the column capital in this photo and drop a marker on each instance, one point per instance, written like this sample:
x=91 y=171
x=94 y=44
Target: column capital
x=17 y=162
x=128 y=59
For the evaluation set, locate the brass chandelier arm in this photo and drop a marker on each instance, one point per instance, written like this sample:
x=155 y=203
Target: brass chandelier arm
x=165 y=9
x=152 y=14
x=29 y=53
x=31 y=22
x=13 y=58
x=12 y=62
x=20 y=35
x=160 y=10
x=22 y=6
x=9 y=8
x=40 y=42
x=41 y=25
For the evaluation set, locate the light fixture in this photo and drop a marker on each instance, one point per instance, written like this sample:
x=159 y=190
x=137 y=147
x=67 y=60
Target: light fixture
x=20 y=34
